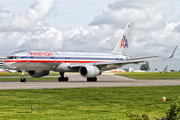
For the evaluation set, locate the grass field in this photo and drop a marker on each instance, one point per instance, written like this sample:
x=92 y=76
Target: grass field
x=26 y=74
x=150 y=75
x=15 y=77
x=86 y=103
x=29 y=79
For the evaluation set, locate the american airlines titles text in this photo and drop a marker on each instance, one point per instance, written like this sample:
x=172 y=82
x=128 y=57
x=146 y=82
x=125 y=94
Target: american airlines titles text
x=41 y=53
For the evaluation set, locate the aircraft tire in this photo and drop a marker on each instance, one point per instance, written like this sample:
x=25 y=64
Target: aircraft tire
x=66 y=79
x=23 y=80
x=88 y=79
x=60 y=79
x=94 y=79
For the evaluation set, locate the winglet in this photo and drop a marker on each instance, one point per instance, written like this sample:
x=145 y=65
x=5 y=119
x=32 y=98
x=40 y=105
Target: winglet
x=172 y=55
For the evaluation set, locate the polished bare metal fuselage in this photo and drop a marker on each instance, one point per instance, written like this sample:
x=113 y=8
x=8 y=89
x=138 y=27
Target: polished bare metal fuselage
x=49 y=60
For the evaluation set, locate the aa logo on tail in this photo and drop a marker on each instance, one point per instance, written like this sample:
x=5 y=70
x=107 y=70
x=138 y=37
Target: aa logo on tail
x=124 y=42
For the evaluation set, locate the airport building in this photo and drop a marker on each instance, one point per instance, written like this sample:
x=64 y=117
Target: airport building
x=1 y=61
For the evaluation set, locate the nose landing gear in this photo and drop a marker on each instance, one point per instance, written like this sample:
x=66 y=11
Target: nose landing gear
x=22 y=79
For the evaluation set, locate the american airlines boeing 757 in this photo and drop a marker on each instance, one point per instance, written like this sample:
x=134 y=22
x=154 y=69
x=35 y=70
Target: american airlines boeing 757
x=89 y=65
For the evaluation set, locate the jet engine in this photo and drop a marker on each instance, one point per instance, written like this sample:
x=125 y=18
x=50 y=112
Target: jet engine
x=89 y=71
x=38 y=73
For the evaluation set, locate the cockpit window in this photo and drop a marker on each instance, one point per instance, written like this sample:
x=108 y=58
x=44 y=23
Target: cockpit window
x=12 y=57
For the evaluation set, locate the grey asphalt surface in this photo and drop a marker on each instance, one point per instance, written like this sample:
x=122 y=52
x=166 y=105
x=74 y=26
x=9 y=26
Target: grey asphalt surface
x=77 y=81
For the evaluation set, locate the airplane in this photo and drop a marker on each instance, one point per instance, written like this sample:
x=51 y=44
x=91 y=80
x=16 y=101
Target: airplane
x=89 y=65
x=165 y=70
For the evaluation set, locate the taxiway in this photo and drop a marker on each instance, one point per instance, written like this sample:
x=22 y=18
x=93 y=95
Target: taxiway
x=77 y=81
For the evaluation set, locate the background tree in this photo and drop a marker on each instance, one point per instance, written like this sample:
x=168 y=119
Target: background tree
x=145 y=66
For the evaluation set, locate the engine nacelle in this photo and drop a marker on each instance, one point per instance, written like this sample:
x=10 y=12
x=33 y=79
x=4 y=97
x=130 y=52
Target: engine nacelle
x=38 y=73
x=89 y=71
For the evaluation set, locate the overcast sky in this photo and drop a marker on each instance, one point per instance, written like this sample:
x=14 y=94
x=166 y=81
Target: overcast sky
x=89 y=25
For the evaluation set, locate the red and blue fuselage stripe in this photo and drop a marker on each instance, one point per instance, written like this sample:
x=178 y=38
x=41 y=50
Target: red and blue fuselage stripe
x=40 y=59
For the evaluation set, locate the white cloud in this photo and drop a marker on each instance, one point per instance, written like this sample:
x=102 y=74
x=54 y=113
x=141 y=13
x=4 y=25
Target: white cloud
x=146 y=16
x=27 y=20
x=155 y=32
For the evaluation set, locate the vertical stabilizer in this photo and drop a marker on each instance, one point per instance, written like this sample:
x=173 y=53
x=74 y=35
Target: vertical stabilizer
x=125 y=40
x=165 y=69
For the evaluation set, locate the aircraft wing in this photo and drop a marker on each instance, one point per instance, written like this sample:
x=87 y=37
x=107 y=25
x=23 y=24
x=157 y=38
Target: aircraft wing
x=107 y=65
x=111 y=64
x=120 y=62
x=104 y=64
x=143 y=58
x=172 y=55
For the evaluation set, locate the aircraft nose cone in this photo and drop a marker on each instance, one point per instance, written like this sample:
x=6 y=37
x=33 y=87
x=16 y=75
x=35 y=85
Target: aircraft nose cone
x=6 y=65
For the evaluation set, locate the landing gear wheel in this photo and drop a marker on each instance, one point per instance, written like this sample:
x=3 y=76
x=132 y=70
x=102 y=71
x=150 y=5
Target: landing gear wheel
x=89 y=79
x=66 y=79
x=23 y=80
x=60 y=79
x=94 y=79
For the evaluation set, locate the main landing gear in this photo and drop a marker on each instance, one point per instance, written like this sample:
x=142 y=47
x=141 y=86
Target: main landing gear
x=94 y=79
x=62 y=78
x=65 y=79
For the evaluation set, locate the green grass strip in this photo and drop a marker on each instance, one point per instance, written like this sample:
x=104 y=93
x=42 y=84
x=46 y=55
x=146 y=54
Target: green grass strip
x=150 y=75
x=86 y=103
x=26 y=74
